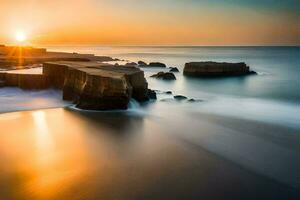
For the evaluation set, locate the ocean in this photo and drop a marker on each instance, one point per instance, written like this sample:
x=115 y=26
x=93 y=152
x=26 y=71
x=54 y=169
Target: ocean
x=272 y=96
x=241 y=140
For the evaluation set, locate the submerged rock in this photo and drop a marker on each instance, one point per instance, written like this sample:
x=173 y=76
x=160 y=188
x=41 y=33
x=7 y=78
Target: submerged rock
x=157 y=64
x=164 y=76
x=195 y=100
x=211 y=69
x=180 y=97
x=96 y=86
x=167 y=100
x=174 y=69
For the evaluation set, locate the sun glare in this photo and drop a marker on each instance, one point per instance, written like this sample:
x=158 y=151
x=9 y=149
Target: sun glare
x=20 y=36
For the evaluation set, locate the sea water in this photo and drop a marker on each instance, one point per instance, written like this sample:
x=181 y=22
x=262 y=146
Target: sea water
x=272 y=96
x=252 y=121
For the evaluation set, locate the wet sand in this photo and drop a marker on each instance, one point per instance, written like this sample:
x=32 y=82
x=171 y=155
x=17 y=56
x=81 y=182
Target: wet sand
x=64 y=154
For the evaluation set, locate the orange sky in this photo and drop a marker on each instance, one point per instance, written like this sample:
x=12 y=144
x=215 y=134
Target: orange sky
x=141 y=22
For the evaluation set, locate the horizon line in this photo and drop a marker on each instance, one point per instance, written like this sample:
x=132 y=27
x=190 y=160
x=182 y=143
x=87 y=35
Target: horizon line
x=107 y=45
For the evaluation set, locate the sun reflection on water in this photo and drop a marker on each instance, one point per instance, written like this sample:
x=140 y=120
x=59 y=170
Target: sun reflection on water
x=44 y=140
x=59 y=161
x=56 y=154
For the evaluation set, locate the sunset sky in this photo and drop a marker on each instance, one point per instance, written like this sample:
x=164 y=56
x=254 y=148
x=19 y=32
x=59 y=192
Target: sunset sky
x=152 y=22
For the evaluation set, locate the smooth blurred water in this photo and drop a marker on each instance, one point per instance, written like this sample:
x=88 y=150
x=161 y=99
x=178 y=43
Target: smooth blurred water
x=271 y=98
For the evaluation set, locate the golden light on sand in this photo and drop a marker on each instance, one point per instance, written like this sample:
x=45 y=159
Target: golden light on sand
x=20 y=36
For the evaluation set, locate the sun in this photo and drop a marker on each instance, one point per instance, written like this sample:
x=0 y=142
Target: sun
x=20 y=36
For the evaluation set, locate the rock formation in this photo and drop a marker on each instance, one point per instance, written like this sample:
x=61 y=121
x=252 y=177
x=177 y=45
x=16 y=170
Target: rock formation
x=12 y=57
x=131 y=64
x=90 y=85
x=157 y=64
x=24 y=81
x=180 y=97
x=164 y=76
x=152 y=94
x=211 y=69
x=97 y=86
x=152 y=64
x=84 y=78
x=142 y=63
x=174 y=69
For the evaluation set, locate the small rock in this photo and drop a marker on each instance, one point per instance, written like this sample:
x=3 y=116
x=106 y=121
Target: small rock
x=157 y=64
x=174 y=69
x=131 y=64
x=164 y=76
x=169 y=76
x=142 y=63
x=152 y=94
x=157 y=75
x=180 y=97
x=169 y=92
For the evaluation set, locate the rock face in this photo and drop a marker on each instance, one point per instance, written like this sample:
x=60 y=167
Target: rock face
x=157 y=64
x=165 y=76
x=97 y=86
x=2 y=83
x=211 y=69
x=24 y=81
